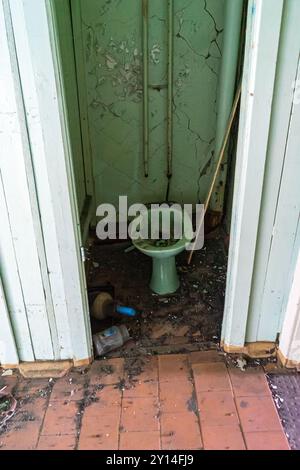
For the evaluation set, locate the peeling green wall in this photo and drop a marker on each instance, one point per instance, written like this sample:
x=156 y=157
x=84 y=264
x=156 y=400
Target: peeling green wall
x=109 y=51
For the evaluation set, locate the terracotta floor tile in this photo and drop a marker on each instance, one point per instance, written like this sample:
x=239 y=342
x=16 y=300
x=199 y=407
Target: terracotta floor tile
x=32 y=409
x=217 y=409
x=28 y=387
x=258 y=414
x=223 y=438
x=211 y=376
x=149 y=369
x=200 y=357
x=24 y=427
x=177 y=397
x=271 y=440
x=69 y=388
x=180 y=431
x=147 y=405
x=107 y=371
x=106 y=441
x=251 y=382
x=99 y=432
x=137 y=388
x=104 y=398
x=22 y=436
x=94 y=421
x=64 y=442
x=173 y=367
x=96 y=409
x=60 y=418
x=140 y=440
x=139 y=414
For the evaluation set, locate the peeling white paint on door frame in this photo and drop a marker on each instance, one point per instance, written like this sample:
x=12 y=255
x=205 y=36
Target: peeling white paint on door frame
x=262 y=42
x=19 y=246
x=8 y=350
x=41 y=107
x=52 y=119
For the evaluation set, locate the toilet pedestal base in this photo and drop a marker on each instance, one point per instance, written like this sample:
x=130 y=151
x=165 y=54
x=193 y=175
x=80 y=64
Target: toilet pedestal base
x=164 y=278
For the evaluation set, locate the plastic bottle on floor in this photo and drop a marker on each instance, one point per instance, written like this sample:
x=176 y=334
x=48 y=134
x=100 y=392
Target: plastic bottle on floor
x=110 y=339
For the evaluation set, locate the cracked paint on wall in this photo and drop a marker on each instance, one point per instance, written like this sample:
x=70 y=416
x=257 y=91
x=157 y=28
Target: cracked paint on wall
x=113 y=64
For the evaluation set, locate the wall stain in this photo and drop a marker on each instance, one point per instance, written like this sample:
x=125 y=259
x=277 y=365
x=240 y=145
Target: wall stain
x=112 y=38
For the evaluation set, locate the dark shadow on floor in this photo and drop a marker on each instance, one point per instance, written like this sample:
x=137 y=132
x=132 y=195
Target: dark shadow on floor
x=188 y=320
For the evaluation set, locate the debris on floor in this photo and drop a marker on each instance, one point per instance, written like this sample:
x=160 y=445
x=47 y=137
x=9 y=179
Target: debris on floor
x=285 y=389
x=188 y=320
x=241 y=363
x=8 y=406
x=165 y=402
x=7 y=373
x=110 y=339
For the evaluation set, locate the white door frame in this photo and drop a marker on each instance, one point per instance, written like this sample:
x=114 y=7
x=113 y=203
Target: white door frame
x=45 y=159
x=262 y=43
x=276 y=247
x=8 y=351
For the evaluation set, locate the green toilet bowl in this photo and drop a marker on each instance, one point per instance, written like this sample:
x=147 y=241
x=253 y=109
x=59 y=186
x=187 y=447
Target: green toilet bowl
x=164 y=278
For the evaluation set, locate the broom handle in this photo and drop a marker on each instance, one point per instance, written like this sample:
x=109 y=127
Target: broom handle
x=221 y=155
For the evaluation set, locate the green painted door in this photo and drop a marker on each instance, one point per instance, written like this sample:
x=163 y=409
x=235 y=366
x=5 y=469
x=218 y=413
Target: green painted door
x=128 y=105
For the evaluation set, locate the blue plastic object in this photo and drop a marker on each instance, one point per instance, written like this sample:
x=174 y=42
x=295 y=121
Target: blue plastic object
x=130 y=312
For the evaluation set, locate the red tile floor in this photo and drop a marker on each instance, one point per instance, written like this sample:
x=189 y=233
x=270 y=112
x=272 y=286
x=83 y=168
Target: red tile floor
x=173 y=402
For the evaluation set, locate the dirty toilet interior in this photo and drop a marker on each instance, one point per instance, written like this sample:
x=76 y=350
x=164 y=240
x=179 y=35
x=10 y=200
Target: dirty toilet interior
x=147 y=129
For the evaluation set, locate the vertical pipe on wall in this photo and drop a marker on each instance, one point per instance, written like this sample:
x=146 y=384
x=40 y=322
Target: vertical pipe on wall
x=145 y=88
x=170 y=88
x=227 y=78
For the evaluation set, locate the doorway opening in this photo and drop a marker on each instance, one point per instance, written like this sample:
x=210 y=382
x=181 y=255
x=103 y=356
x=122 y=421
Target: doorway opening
x=142 y=85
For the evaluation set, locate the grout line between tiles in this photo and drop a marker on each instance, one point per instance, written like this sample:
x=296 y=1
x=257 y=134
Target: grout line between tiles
x=121 y=406
x=237 y=411
x=198 y=408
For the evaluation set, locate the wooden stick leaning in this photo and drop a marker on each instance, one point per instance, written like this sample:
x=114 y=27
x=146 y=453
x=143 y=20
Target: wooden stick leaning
x=221 y=155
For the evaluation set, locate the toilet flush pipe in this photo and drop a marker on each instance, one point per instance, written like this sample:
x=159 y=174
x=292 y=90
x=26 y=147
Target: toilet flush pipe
x=170 y=87
x=145 y=88
x=227 y=78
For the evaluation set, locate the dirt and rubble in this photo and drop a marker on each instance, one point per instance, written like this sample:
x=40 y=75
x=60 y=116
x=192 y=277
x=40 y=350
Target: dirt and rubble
x=188 y=320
